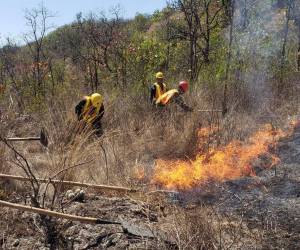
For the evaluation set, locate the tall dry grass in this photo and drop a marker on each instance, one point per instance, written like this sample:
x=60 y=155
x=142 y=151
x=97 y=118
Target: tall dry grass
x=135 y=133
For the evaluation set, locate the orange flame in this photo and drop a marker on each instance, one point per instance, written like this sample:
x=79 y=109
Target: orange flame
x=223 y=163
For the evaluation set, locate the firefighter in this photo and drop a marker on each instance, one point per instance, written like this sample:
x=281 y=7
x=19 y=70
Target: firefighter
x=175 y=95
x=158 y=88
x=91 y=110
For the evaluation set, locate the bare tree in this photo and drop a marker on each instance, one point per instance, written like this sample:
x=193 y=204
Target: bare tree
x=37 y=21
x=167 y=34
x=101 y=43
x=201 y=18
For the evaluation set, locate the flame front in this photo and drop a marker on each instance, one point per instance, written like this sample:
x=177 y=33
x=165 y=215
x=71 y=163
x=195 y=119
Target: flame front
x=219 y=164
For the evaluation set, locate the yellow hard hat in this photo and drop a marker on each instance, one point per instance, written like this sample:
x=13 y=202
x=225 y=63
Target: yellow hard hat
x=159 y=75
x=96 y=100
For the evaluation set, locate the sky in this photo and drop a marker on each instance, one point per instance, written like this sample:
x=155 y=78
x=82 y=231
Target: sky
x=12 y=22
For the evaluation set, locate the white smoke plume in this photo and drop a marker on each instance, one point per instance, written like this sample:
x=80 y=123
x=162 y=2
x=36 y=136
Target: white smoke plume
x=257 y=44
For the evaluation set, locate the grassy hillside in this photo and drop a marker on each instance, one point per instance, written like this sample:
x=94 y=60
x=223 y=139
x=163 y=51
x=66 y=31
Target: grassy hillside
x=237 y=57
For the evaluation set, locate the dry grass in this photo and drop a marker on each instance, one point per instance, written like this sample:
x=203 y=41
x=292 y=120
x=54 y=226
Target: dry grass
x=191 y=230
x=135 y=134
x=200 y=227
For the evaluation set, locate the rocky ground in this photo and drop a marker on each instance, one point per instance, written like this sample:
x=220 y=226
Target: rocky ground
x=138 y=230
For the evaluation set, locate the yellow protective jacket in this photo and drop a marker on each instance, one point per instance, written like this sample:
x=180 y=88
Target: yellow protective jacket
x=156 y=91
x=159 y=91
x=87 y=112
x=90 y=112
x=166 y=97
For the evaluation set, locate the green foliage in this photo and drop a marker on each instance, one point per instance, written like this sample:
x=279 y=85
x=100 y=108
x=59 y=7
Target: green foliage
x=114 y=54
x=141 y=23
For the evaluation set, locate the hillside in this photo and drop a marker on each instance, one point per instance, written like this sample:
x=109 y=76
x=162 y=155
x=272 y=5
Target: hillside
x=215 y=166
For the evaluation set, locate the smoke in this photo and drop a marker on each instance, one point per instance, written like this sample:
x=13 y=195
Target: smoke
x=257 y=44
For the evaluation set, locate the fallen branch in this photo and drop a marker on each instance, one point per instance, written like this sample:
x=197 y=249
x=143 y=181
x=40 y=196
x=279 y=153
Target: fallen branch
x=88 y=220
x=209 y=110
x=70 y=183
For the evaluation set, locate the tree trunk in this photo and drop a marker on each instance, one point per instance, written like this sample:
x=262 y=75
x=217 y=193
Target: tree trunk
x=206 y=49
x=283 y=51
x=124 y=69
x=227 y=5
x=96 y=78
x=228 y=63
x=297 y=21
x=207 y=37
x=298 y=55
x=193 y=58
x=52 y=77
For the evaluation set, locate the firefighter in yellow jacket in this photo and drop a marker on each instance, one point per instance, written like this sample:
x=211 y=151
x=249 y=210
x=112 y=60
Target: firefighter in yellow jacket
x=175 y=95
x=158 y=88
x=91 y=110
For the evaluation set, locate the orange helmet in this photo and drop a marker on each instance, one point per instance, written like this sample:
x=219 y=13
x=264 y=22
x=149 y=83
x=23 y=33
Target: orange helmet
x=183 y=86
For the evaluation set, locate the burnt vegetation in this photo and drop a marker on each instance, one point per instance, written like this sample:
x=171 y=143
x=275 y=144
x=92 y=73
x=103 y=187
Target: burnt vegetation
x=240 y=56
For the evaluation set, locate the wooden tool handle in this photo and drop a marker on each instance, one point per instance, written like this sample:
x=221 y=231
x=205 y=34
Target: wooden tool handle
x=88 y=220
x=23 y=139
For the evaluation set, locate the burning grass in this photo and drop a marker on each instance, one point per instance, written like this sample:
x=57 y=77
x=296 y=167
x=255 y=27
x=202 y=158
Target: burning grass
x=219 y=163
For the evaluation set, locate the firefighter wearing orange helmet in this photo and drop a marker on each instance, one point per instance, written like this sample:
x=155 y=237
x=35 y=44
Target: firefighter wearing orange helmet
x=176 y=96
x=90 y=110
